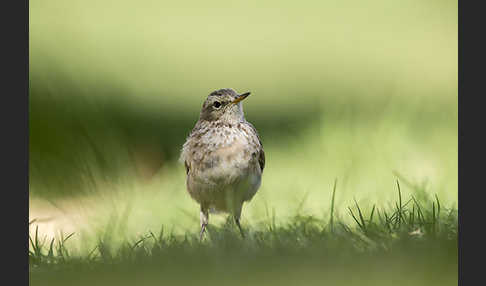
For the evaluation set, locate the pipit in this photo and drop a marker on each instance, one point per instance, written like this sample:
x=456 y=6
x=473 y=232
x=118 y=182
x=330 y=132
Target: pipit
x=223 y=157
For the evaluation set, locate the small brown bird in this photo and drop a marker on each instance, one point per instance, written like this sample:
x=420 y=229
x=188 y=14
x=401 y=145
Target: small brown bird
x=223 y=157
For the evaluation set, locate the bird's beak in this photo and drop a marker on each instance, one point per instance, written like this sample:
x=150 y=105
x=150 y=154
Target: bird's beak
x=241 y=97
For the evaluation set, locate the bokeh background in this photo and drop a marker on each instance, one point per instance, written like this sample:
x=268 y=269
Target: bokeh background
x=364 y=92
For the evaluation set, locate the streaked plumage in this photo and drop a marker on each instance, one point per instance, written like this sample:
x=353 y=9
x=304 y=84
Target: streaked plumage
x=223 y=156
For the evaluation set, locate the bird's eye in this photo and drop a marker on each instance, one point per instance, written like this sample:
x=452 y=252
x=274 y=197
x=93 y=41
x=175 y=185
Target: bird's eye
x=217 y=104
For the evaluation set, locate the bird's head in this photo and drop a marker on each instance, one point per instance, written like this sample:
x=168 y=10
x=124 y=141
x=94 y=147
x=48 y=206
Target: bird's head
x=224 y=105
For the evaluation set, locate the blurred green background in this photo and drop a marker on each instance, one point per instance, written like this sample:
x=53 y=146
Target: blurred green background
x=364 y=92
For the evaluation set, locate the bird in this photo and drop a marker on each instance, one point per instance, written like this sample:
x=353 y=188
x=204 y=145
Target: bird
x=223 y=157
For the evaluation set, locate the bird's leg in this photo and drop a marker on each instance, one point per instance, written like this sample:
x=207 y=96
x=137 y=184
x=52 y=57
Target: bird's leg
x=237 y=221
x=237 y=216
x=204 y=218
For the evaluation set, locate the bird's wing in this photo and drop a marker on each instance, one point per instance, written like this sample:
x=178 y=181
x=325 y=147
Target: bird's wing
x=261 y=159
x=187 y=167
x=261 y=156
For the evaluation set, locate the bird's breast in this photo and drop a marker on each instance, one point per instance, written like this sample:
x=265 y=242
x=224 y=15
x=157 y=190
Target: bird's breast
x=224 y=156
x=228 y=162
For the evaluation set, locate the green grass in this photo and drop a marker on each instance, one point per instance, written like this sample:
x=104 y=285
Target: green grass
x=348 y=98
x=413 y=242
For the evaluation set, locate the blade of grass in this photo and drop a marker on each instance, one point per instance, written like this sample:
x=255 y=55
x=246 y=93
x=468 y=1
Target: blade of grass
x=331 y=222
x=50 y=253
x=420 y=215
x=438 y=207
x=399 y=204
x=363 y=223
x=372 y=213
x=354 y=217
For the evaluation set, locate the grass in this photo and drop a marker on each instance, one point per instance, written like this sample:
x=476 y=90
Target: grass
x=412 y=242
x=347 y=97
